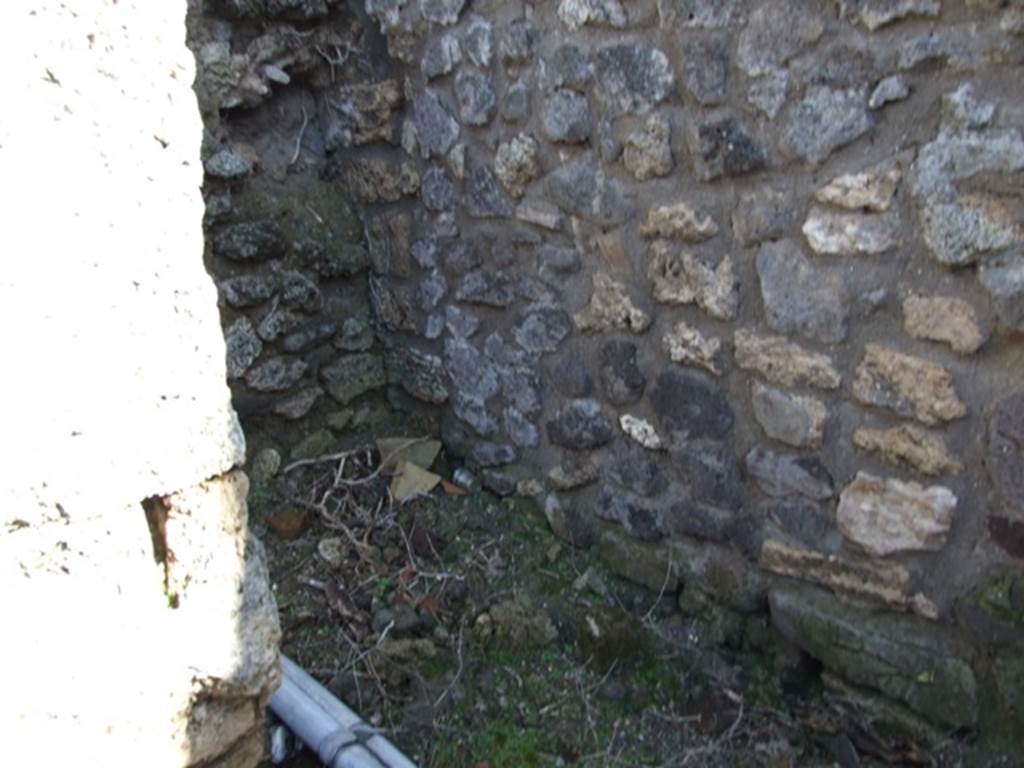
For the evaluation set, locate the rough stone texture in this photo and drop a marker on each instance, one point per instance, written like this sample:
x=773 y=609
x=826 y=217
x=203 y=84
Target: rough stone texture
x=478 y=103
x=888 y=90
x=783 y=362
x=908 y=385
x=762 y=214
x=961 y=232
x=678 y=221
x=622 y=381
x=243 y=347
x=885 y=582
x=885 y=516
x=1003 y=278
x=796 y=420
x=710 y=471
x=904 y=657
x=909 y=446
x=631 y=78
x=691 y=405
x=360 y=114
x=436 y=129
x=681 y=278
x=147 y=423
x=725 y=148
x=706 y=70
x=1005 y=457
x=945 y=319
x=516 y=163
x=648 y=153
x=579 y=425
x=799 y=297
x=566 y=117
x=874 y=14
x=378 y=181
x=871 y=189
x=611 y=307
x=584 y=190
x=787 y=474
x=484 y=198
x=578 y=13
x=632 y=468
x=353 y=375
x=685 y=344
x=775 y=32
x=832 y=232
x=825 y=120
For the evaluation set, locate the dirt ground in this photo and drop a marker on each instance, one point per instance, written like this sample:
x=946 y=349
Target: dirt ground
x=458 y=624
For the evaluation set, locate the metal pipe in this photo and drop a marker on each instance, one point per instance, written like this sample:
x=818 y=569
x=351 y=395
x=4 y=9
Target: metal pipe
x=340 y=738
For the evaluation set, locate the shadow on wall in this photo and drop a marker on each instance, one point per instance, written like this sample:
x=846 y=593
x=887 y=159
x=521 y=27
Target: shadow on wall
x=128 y=641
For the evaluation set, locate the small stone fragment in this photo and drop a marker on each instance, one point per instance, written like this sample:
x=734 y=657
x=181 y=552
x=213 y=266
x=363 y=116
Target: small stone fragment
x=440 y=56
x=796 y=420
x=776 y=31
x=541 y=330
x=243 y=346
x=288 y=522
x=945 y=319
x=582 y=188
x=632 y=78
x=519 y=43
x=800 y=297
x=436 y=129
x=725 y=148
x=573 y=474
x=909 y=446
x=478 y=103
x=478 y=41
x=441 y=11
x=825 y=120
x=888 y=90
x=250 y=242
x=484 y=197
x=962 y=231
x=885 y=516
x=640 y=431
x=682 y=278
x=437 y=189
x=611 y=307
x=566 y=117
x=299 y=404
x=516 y=163
x=872 y=189
x=276 y=374
x=622 y=381
x=578 y=13
x=353 y=375
x=355 y=115
x=580 y=425
x=228 y=164
x=763 y=214
x=516 y=106
x=540 y=213
x=780 y=474
x=783 y=362
x=706 y=70
x=264 y=465
x=1003 y=278
x=647 y=152
x=768 y=92
x=875 y=14
x=678 y=221
x=375 y=180
x=908 y=385
x=842 y=233
x=689 y=346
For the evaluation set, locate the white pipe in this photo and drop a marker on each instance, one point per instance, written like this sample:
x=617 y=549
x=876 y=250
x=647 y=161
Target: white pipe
x=340 y=738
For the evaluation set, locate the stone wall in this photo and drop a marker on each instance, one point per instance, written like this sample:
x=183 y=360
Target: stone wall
x=735 y=289
x=139 y=627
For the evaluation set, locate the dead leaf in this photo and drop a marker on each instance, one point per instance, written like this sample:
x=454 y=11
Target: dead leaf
x=412 y=480
x=452 y=489
x=395 y=450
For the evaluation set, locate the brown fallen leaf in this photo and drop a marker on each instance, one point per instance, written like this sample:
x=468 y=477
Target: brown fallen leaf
x=412 y=480
x=451 y=488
